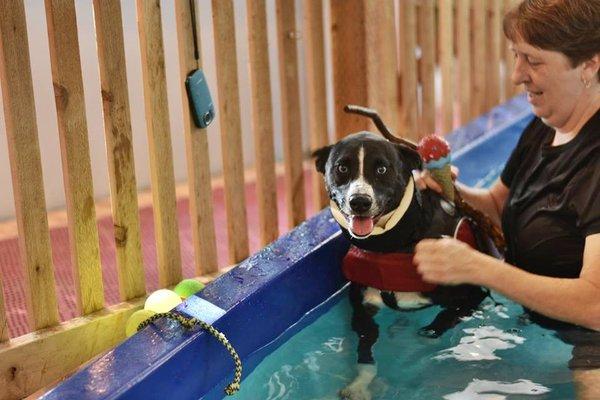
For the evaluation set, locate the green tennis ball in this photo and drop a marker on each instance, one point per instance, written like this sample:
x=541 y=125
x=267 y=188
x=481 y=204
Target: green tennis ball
x=135 y=320
x=188 y=287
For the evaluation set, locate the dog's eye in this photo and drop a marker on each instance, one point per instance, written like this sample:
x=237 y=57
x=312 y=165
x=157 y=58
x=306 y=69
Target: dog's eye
x=342 y=169
x=381 y=170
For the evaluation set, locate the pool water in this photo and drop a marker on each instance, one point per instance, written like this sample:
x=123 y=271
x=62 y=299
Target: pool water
x=492 y=355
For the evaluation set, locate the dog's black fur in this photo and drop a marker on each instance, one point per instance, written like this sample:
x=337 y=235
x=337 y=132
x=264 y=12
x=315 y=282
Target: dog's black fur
x=387 y=170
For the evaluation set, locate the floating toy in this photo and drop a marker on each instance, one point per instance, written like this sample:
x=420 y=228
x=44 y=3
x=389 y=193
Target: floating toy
x=188 y=287
x=435 y=152
x=162 y=300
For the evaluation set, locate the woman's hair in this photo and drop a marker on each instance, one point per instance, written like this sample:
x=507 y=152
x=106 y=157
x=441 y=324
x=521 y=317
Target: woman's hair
x=571 y=27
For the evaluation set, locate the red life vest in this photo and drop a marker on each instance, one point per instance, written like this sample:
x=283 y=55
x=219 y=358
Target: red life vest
x=394 y=271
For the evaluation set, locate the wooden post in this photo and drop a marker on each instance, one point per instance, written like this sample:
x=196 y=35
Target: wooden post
x=427 y=66
x=26 y=167
x=494 y=57
x=364 y=62
x=262 y=121
x=196 y=144
x=3 y=321
x=316 y=90
x=119 y=149
x=231 y=131
x=408 y=38
x=463 y=24
x=446 y=46
x=290 y=111
x=349 y=64
x=479 y=69
x=77 y=174
x=159 y=140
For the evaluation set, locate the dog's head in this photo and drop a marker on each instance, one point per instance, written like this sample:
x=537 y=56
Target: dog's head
x=366 y=176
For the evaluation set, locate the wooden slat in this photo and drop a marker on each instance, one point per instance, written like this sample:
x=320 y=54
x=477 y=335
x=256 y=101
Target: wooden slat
x=446 y=48
x=348 y=34
x=75 y=150
x=316 y=90
x=382 y=60
x=262 y=121
x=198 y=160
x=507 y=59
x=290 y=111
x=231 y=131
x=480 y=44
x=26 y=168
x=493 y=63
x=159 y=140
x=427 y=66
x=3 y=320
x=408 y=37
x=119 y=149
x=463 y=12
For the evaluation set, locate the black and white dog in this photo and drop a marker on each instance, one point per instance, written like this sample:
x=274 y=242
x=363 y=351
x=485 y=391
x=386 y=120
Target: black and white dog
x=374 y=200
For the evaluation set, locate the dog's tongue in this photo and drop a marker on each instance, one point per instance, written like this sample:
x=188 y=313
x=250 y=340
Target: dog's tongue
x=361 y=226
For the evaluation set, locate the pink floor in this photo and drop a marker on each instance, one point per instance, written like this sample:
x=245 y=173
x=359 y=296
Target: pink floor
x=14 y=282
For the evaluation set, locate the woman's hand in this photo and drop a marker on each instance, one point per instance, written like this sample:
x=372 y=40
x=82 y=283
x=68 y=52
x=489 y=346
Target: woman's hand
x=448 y=261
x=424 y=180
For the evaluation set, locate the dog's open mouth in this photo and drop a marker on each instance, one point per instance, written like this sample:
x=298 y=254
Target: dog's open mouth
x=361 y=226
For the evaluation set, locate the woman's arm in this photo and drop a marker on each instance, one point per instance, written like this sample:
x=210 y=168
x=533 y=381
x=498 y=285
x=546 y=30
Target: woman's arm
x=577 y=301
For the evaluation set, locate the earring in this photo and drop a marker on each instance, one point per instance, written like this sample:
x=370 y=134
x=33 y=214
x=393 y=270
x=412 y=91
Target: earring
x=586 y=83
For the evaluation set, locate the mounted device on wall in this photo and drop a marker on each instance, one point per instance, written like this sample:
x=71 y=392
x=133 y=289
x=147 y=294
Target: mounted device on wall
x=201 y=104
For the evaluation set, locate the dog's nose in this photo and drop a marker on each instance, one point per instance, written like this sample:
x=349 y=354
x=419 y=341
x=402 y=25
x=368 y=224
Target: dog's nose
x=360 y=203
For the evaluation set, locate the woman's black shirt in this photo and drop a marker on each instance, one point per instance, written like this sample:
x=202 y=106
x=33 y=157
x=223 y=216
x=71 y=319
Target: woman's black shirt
x=553 y=201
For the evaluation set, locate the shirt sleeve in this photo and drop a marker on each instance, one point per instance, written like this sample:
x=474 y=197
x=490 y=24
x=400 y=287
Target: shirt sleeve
x=516 y=157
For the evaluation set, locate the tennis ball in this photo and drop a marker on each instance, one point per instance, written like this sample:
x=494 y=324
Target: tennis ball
x=162 y=300
x=135 y=320
x=188 y=287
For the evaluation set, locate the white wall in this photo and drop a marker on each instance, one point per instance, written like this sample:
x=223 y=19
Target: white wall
x=46 y=111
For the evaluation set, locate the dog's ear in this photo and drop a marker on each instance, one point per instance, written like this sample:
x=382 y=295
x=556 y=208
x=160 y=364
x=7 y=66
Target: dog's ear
x=321 y=155
x=409 y=156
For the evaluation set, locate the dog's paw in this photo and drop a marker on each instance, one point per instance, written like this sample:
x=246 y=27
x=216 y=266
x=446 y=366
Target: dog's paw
x=355 y=392
x=429 y=332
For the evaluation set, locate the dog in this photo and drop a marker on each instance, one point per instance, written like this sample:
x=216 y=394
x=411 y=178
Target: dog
x=383 y=215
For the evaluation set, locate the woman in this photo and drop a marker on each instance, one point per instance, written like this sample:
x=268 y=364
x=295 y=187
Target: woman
x=547 y=199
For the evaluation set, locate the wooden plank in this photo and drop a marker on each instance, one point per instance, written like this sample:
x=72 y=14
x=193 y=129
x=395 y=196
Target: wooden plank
x=77 y=170
x=262 y=121
x=427 y=44
x=446 y=48
x=119 y=148
x=480 y=43
x=348 y=35
x=507 y=59
x=38 y=359
x=231 y=131
x=3 y=320
x=290 y=111
x=316 y=90
x=382 y=61
x=408 y=37
x=26 y=167
x=198 y=159
x=494 y=56
x=159 y=141
x=463 y=15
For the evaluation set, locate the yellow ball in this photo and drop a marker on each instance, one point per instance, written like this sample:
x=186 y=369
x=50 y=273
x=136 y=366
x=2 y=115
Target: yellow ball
x=163 y=300
x=135 y=320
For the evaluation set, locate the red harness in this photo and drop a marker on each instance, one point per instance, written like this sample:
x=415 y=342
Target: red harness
x=394 y=271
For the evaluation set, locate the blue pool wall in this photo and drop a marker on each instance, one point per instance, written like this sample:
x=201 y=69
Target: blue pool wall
x=262 y=301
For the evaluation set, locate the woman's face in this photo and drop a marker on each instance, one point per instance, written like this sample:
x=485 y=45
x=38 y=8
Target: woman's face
x=553 y=86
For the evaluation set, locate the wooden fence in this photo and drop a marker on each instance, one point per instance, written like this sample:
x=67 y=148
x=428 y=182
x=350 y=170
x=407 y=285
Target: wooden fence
x=384 y=54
